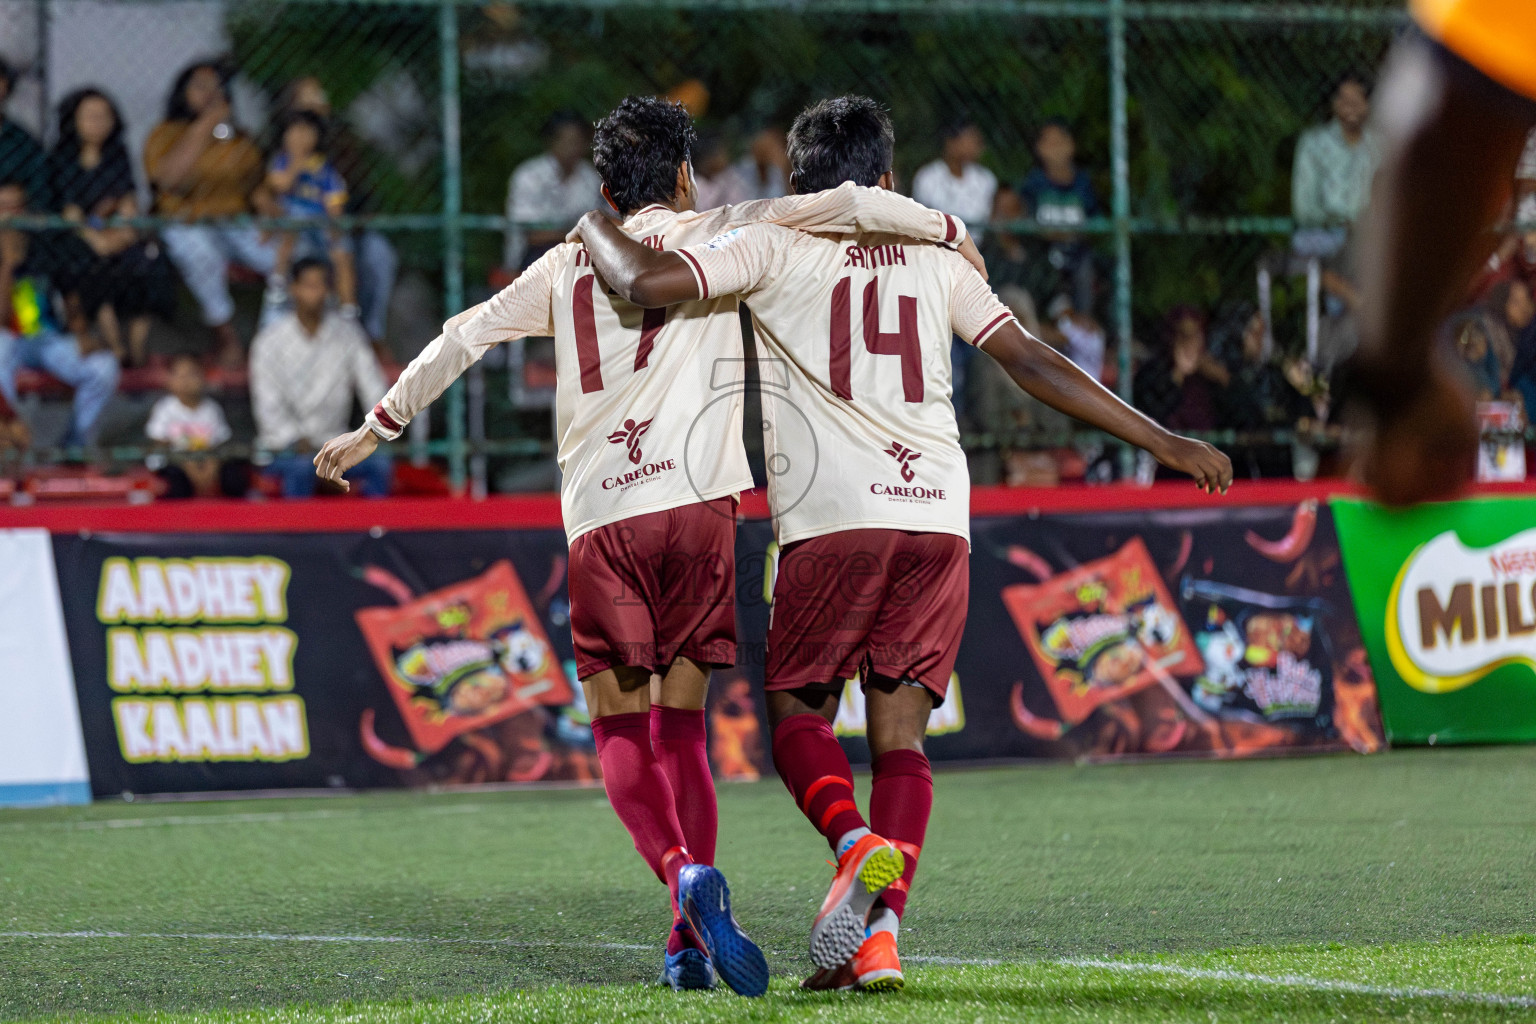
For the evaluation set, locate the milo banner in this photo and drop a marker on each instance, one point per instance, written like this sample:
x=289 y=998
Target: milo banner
x=1447 y=601
x=251 y=661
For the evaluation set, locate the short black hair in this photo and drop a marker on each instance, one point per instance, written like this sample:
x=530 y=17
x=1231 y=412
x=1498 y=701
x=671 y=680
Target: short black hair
x=185 y=357
x=848 y=138
x=308 y=263
x=956 y=125
x=561 y=119
x=1059 y=123
x=1355 y=75
x=309 y=117
x=638 y=148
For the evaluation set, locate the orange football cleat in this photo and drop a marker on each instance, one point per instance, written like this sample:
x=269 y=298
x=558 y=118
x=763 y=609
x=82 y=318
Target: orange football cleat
x=876 y=967
x=863 y=873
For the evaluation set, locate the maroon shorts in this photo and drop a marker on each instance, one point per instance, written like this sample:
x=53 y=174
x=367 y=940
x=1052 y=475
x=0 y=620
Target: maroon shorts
x=883 y=601
x=648 y=589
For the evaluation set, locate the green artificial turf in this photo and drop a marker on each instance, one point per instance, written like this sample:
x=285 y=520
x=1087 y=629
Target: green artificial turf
x=1238 y=891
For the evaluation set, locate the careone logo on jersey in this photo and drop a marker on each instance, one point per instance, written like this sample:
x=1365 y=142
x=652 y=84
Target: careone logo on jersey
x=629 y=435
x=1457 y=613
x=904 y=457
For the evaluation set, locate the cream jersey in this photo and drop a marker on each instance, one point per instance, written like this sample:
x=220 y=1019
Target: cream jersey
x=857 y=379
x=648 y=403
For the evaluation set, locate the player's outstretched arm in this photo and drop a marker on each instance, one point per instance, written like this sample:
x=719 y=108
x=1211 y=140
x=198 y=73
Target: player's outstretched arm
x=517 y=311
x=642 y=275
x=1452 y=139
x=1058 y=382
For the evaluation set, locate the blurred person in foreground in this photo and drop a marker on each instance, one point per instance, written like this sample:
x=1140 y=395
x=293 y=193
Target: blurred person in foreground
x=551 y=190
x=202 y=166
x=377 y=262
x=114 y=273
x=189 y=424
x=306 y=365
x=21 y=156
x=32 y=331
x=1455 y=110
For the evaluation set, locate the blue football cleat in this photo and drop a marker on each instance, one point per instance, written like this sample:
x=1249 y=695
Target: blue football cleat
x=687 y=970
x=705 y=901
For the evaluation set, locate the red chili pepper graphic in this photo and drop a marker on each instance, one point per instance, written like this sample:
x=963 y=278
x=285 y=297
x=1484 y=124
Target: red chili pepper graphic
x=1297 y=539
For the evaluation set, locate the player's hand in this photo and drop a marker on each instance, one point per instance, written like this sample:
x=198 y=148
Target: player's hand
x=970 y=252
x=1211 y=469
x=575 y=234
x=342 y=453
x=1420 y=449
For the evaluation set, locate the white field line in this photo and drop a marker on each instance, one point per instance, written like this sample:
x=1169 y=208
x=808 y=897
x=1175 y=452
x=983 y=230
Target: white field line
x=1295 y=981
x=254 y=817
x=1302 y=981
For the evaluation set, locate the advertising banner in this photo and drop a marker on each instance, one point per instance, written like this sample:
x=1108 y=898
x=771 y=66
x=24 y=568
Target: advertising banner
x=256 y=661
x=1217 y=632
x=1447 y=602
x=42 y=758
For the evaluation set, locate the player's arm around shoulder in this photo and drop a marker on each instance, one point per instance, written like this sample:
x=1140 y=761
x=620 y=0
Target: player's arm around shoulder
x=644 y=276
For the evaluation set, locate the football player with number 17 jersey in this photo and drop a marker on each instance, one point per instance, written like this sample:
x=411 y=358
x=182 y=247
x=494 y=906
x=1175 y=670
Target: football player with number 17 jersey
x=871 y=500
x=648 y=423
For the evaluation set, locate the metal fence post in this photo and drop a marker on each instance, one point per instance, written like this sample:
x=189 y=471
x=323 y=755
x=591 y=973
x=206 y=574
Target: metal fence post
x=453 y=228
x=1120 y=167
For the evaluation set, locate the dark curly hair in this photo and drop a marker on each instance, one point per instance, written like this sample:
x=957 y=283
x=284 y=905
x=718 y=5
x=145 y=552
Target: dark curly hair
x=848 y=138
x=638 y=148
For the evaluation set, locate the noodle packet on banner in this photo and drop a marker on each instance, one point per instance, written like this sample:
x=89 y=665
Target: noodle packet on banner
x=464 y=657
x=1103 y=630
x=1266 y=656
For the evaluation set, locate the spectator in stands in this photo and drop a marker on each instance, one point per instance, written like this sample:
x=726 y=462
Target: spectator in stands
x=30 y=333
x=553 y=189
x=1058 y=194
x=1180 y=387
x=1334 y=165
x=201 y=165
x=115 y=274
x=306 y=185
x=765 y=167
x=1520 y=314
x=306 y=366
x=376 y=261
x=190 y=424
x=1260 y=396
x=956 y=183
x=21 y=158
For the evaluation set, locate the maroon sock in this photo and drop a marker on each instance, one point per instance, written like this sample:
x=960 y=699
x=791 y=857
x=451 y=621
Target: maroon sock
x=681 y=743
x=899 y=804
x=812 y=764
x=640 y=794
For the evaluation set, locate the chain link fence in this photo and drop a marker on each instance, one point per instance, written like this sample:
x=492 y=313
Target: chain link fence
x=1185 y=119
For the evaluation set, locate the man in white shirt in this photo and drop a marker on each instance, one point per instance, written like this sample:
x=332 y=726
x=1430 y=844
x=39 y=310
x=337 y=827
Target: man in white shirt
x=956 y=183
x=554 y=188
x=873 y=571
x=306 y=366
x=648 y=410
